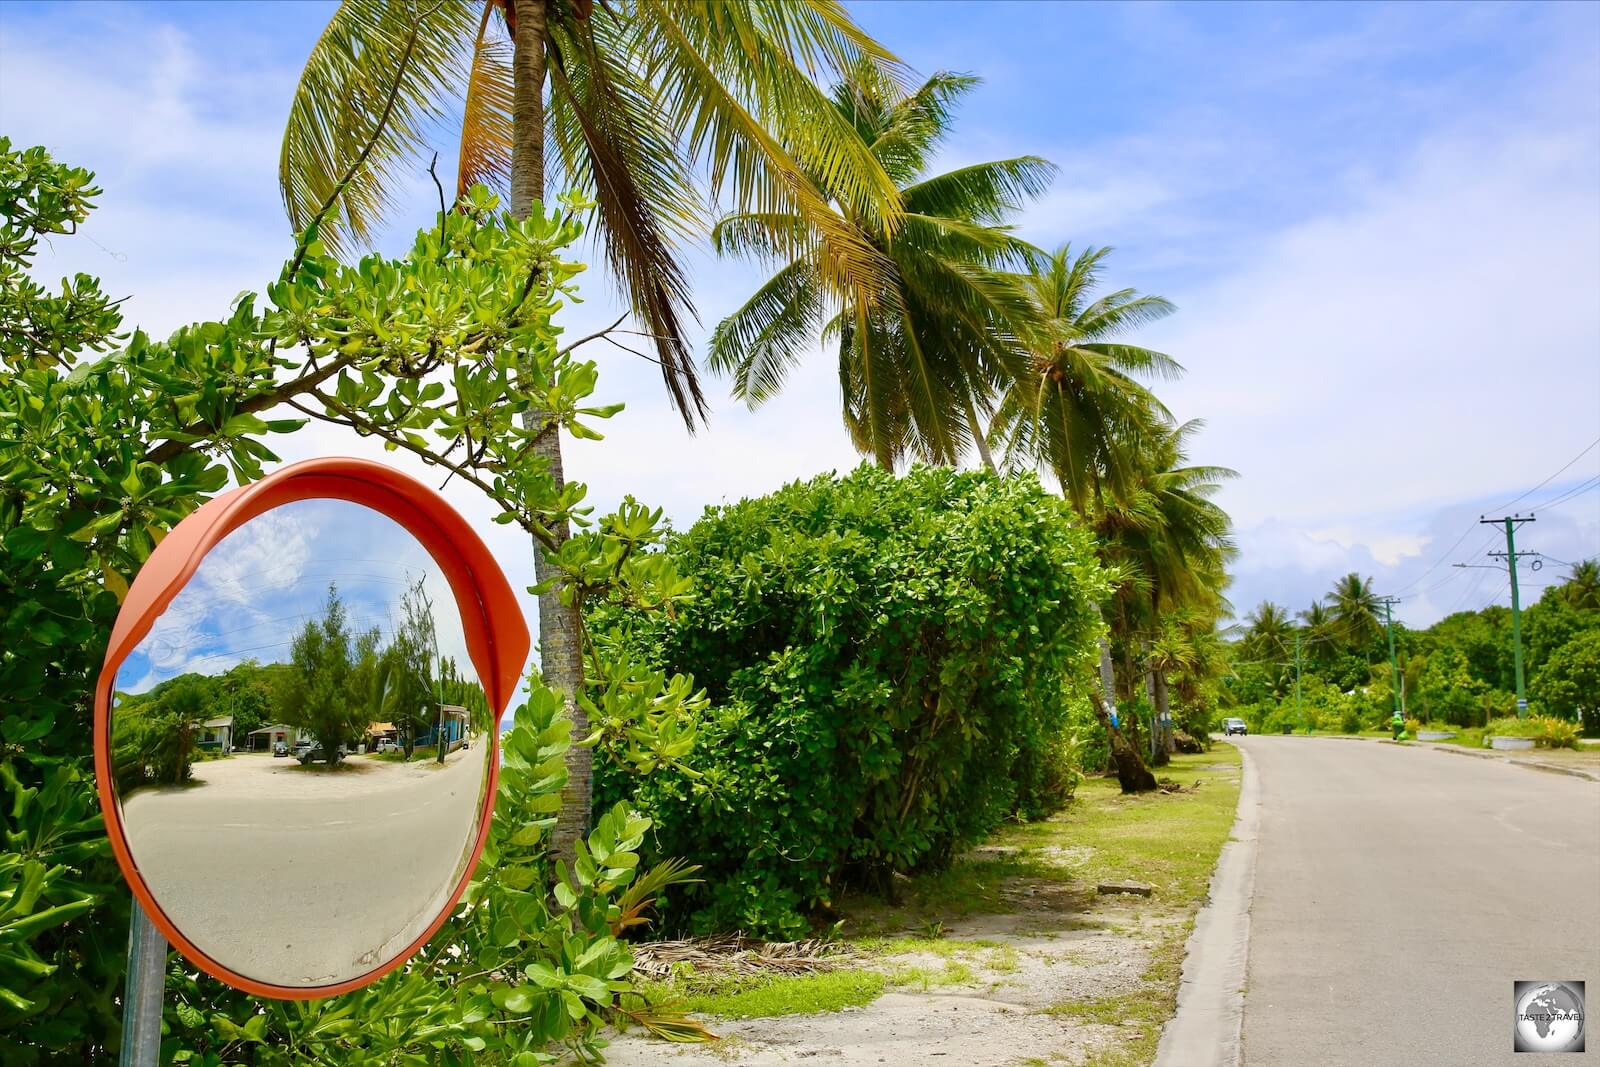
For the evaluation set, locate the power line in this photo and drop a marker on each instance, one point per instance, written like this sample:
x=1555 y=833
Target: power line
x=1497 y=596
x=1550 y=479
x=1583 y=487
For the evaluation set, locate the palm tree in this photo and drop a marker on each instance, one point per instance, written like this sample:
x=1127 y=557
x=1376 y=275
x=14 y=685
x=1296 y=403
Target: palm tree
x=1268 y=632
x=920 y=352
x=1170 y=533
x=1076 y=410
x=1355 y=608
x=1321 y=630
x=1582 y=588
x=642 y=98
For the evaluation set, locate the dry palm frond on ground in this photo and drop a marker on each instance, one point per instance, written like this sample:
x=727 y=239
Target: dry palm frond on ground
x=736 y=954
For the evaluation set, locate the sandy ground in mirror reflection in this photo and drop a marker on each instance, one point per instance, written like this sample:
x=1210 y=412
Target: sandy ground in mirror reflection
x=300 y=877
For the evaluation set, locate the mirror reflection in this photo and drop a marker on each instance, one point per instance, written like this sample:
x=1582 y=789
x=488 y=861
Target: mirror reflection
x=300 y=746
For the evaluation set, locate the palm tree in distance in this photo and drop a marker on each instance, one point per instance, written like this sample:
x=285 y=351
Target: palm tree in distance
x=1355 y=608
x=922 y=352
x=1321 y=630
x=1582 y=588
x=642 y=98
x=1268 y=633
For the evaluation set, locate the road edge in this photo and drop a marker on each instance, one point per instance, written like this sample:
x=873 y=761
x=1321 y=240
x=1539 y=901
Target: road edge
x=1207 y=1030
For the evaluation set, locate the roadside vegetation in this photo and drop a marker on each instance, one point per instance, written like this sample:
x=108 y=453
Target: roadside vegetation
x=1454 y=675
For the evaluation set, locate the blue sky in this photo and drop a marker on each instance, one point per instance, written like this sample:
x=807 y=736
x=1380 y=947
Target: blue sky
x=1381 y=225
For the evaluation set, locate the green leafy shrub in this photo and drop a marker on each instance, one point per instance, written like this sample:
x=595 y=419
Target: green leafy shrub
x=891 y=665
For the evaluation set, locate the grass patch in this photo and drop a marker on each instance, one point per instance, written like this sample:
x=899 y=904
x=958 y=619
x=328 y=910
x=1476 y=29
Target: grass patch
x=760 y=996
x=421 y=752
x=943 y=947
x=1170 y=841
x=344 y=766
x=954 y=972
x=1003 y=960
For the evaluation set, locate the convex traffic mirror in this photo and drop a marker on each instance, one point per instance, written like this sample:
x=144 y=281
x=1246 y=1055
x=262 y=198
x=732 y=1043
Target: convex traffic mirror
x=296 y=725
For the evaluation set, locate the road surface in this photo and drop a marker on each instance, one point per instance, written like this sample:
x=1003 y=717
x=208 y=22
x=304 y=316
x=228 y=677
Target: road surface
x=302 y=877
x=1399 y=893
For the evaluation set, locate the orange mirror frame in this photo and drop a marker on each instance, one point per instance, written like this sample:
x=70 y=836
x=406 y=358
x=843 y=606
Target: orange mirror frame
x=496 y=635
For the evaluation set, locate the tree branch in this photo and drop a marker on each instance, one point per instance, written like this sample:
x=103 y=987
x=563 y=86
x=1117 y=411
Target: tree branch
x=597 y=335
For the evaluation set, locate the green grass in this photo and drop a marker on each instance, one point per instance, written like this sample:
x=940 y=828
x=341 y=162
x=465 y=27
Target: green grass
x=1170 y=841
x=943 y=947
x=954 y=972
x=762 y=996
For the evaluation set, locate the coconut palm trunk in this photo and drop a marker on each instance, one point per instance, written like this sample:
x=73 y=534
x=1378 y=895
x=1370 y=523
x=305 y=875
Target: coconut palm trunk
x=1163 y=703
x=1132 y=775
x=979 y=438
x=560 y=648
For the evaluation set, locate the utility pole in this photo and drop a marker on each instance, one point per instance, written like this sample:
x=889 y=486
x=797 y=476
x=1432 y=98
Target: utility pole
x=1511 y=522
x=1297 y=712
x=1388 y=603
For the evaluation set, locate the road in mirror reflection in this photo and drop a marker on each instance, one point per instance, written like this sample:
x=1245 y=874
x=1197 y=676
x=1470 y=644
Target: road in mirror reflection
x=300 y=746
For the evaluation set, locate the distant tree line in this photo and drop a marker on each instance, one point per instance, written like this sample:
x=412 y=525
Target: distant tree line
x=1459 y=671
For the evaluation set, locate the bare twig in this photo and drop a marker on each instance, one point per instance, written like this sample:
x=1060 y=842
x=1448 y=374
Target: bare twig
x=597 y=335
x=633 y=351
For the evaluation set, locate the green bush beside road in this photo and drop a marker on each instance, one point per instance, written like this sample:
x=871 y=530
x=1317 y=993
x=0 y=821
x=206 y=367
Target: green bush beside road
x=890 y=664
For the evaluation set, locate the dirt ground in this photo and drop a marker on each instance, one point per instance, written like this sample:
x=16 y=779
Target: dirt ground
x=1043 y=975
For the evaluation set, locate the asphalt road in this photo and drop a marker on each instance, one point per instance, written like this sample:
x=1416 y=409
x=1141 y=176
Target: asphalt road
x=1400 y=892
x=300 y=877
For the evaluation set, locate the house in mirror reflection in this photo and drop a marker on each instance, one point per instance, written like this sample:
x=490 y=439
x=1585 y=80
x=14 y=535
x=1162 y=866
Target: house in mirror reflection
x=451 y=724
x=266 y=737
x=216 y=734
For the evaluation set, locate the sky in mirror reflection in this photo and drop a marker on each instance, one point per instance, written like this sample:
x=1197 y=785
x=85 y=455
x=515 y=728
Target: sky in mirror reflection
x=264 y=580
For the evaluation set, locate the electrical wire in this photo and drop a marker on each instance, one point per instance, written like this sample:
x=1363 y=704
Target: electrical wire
x=1552 y=478
x=1583 y=487
x=1504 y=589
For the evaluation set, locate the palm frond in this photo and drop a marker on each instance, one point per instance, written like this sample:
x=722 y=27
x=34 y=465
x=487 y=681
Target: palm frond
x=983 y=192
x=637 y=180
x=759 y=343
x=486 y=121
x=350 y=73
x=735 y=81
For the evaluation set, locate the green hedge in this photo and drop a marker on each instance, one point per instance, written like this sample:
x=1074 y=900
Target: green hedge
x=890 y=663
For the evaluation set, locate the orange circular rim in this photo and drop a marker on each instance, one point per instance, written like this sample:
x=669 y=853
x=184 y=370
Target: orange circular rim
x=497 y=642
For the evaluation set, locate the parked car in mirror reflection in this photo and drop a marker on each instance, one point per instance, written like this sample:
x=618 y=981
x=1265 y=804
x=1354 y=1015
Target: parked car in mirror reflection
x=313 y=753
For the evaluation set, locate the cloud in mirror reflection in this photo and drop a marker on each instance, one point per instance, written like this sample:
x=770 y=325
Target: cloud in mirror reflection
x=256 y=589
